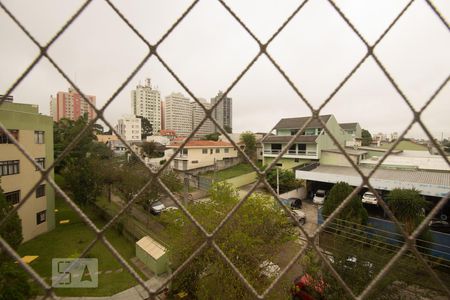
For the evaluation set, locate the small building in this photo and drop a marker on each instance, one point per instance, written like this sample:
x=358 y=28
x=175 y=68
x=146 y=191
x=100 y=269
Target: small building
x=153 y=255
x=129 y=128
x=34 y=132
x=105 y=138
x=201 y=154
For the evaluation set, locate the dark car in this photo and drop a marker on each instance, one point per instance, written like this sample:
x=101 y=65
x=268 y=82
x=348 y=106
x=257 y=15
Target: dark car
x=440 y=225
x=293 y=203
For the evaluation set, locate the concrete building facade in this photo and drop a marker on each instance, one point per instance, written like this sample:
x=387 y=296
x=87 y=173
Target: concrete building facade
x=177 y=114
x=129 y=128
x=71 y=105
x=198 y=114
x=146 y=102
x=223 y=113
x=18 y=175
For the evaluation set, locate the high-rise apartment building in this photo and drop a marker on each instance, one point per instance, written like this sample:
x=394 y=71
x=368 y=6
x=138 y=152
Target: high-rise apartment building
x=71 y=105
x=223 y=111
x=146 y=102
x=198 y=114
x=35 y=133
x=129 y=128
x=178 y=114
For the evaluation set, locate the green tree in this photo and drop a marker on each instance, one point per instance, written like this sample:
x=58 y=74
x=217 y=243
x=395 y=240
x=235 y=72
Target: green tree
x=249 y=140
x=98 y=128
x=212 y=136
x=408 y=206
x=228 y=129
x=146 y=127
x=254 y=234
x=13 y=280
x=151 y=149
x=366 y=137
x=286 y=179
x=353 y=212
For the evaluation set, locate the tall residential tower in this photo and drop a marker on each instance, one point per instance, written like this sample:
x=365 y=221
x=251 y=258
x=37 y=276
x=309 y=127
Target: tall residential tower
x=71 y=105
x=177 y=114
x=223 y=112
x=146 y=102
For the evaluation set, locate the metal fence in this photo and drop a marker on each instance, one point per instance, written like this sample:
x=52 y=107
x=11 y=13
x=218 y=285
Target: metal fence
x=209 y=238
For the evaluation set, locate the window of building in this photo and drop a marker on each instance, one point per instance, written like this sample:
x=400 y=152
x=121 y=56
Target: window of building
x=294 y=131
x=40 y=191
x=211 y=151
x=39 y=137
x=4 y=139
x=41 y=162
x=217 y=150
x=9 y=167
x=41 y=217
x=194 y=161
x=184 y=152
x=13 y=197
x=226 y=150
x=205 y=151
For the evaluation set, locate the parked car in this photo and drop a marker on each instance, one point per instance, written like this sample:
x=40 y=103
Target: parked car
x=319 y=197
x=439 y=225
x=300 y=216
x=369 y=198
x=157 y=207
x=293 y=203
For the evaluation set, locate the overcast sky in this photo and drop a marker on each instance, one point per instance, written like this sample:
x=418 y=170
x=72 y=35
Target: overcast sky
x=209 y=49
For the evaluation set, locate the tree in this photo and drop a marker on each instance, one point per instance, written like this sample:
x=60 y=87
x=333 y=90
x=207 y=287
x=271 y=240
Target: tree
x=151 y=149
x=212 y=136
x=98 y=128
x=286 y=179
x=366 y=137
x=353 y=212
x=253 y=235
x=408 y=206
x=228 y=129
x=249 y=140
x=146 y=127
x=13 y=280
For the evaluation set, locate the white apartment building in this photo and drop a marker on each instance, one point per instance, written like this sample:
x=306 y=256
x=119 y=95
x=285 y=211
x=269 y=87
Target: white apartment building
x=146 y=102
x=198 y=114
x=129 y=128
x=177 y=114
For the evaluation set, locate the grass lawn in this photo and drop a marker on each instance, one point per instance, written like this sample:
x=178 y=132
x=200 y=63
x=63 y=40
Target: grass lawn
x=69 y=240
x=237 y=170
x=406 y=145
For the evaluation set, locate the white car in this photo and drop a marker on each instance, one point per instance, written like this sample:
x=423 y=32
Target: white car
x=319 y=197
x=157 y=207
x=300 y=216
x=369 y=198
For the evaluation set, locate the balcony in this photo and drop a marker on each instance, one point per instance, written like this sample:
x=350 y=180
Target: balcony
x=304 y=154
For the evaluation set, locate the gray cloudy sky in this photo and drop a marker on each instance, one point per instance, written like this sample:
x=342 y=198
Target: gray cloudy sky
x=209 y=49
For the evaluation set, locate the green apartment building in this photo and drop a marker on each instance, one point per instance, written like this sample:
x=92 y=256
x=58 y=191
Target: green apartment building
x=18 y=175
x=308 y=147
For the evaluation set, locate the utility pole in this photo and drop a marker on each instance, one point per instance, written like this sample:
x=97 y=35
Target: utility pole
x=186 y=189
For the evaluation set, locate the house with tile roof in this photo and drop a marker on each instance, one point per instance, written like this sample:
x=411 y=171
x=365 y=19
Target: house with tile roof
x=198 y=155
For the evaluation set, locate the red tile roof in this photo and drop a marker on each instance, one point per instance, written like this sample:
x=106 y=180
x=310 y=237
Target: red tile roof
x=165 y=132
x=202 y=143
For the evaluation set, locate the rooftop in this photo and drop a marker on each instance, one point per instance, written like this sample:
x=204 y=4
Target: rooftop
x=348 y=125
x=297 y=123
x=202 y=143
x=422 y=160
x=287 y=138
x=418 y=176
x=347 y=150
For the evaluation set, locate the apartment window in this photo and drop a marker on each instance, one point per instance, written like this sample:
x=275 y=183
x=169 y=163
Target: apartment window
x=226 y=150
x=4 y=139
x=205 y=151
x=39 y=137
x=40 y=191
x=13 y=197
x=211 y=151
x=41 y=162
x=294 y=131
x=9 y=167
x=217 y=150
x=194 y=161
x=41 y=217
x=184 y=151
